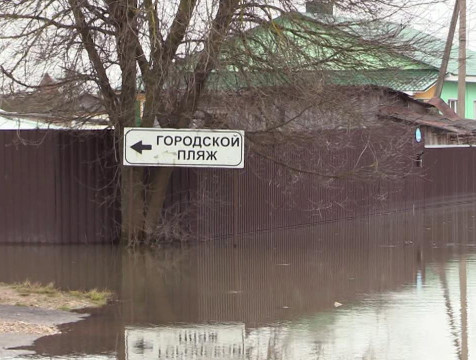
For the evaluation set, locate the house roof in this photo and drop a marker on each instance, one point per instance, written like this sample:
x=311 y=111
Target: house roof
x=51 y=102
x=297 y=40
x=432 y=52
x=353 y=58
x=408 y=61
x=344 y=52
x=9 y=121
x=15 y=121
x=402 y=80
x=428 y=50
x=46 y=80
x=462 y=127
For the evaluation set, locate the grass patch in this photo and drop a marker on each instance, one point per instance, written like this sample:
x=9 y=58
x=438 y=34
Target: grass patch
x=98 y=297
x=48 y=296
x=27 y=288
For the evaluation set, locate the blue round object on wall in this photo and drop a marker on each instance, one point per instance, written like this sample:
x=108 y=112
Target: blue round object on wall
x=418 y=135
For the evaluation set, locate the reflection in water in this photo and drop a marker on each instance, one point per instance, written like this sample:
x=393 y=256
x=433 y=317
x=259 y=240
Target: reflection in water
x=218 y=341
x=406 y=282
x=410 y=323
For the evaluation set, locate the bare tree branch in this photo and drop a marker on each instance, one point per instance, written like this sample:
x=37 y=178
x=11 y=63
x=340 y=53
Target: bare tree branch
x=104 y=84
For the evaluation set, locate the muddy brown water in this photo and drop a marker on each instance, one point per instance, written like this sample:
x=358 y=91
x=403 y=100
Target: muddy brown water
x=400 y=286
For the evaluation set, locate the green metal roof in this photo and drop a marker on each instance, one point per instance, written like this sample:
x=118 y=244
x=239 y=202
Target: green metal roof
x=338 y=50
x=297 y=41
x=295 y=45
x=428 y=49
x=402 y=80
x=432 y=54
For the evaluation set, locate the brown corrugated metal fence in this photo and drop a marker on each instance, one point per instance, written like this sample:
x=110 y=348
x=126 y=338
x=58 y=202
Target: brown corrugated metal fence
x=266 y=195
x=57 y=187
x=60 y=187
x=240 y=201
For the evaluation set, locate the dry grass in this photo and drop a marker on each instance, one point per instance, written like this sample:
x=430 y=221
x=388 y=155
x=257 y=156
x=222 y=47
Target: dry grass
x=45 y=297
x=49 y=297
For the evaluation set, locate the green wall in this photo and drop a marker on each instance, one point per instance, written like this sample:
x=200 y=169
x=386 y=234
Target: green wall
x=450 y=91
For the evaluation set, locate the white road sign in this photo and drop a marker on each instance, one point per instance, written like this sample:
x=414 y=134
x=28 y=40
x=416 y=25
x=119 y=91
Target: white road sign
x=184 y=147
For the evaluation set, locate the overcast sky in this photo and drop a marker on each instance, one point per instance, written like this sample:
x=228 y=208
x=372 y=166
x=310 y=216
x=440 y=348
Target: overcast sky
x=435 y=19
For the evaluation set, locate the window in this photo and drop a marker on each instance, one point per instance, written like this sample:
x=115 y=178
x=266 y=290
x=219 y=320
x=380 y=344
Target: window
x=453 y=104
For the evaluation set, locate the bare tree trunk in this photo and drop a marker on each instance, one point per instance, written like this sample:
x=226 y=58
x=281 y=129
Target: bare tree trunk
x=156 y=197
x=132 y=205
x=132 y=191
x=159 y=182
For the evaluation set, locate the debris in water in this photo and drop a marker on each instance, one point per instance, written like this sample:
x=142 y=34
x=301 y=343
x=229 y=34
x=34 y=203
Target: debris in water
x=234 y=292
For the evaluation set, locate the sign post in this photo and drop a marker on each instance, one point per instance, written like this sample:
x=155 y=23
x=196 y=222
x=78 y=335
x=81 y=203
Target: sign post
x=184 y=147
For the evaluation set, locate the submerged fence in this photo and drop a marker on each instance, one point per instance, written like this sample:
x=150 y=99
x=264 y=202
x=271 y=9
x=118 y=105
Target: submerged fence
x=242 y=202
x=57 y=187
x=60 y=187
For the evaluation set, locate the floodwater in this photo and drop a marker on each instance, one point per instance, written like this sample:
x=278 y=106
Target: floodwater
x=400 y=286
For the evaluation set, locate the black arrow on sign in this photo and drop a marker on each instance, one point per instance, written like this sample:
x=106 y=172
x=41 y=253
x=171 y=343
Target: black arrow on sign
x=138 y=146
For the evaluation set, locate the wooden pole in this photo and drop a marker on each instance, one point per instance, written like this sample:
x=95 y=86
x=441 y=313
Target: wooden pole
x=447 y=52
x=462 y=60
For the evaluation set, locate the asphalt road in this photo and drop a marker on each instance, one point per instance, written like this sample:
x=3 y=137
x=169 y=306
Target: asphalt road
x=8 y=342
